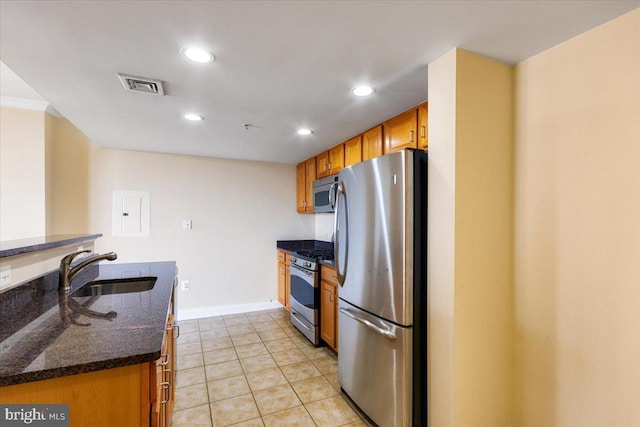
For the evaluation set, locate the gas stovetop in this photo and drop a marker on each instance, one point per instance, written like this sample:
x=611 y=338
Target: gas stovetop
x=318 y=254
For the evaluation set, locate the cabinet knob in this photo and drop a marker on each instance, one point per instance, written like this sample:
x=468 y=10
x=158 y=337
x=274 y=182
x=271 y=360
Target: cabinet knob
x=423 y=131
x=411 y=135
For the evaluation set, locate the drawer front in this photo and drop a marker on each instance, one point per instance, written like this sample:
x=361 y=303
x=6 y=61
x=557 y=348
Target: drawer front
x=328 y=274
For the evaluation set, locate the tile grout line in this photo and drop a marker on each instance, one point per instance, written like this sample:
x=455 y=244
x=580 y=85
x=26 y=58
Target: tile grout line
x=297 y=345
x=206 y=382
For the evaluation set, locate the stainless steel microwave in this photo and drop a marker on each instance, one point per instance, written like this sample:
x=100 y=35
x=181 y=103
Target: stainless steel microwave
x=324 y=194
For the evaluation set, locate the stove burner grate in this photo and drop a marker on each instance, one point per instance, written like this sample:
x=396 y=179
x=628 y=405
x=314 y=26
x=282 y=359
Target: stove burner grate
x=317 y=253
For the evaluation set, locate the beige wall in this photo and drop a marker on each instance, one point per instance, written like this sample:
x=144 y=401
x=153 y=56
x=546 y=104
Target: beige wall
x=44 y=175
x=238 y=208
x=70 y=180
x=49 y=144
x=441 y=239
x=470 y=241
x=22 y=174
x=324 y=226
x=577 y=246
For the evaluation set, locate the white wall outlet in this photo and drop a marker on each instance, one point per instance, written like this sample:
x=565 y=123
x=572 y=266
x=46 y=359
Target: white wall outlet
x=5 y=276
x=187 y=224
x=185 y=286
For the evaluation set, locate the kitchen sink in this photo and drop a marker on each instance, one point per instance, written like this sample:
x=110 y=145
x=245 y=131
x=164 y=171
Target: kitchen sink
x=116 y=286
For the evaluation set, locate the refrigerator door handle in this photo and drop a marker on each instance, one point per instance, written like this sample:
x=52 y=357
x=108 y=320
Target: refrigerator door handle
x=384 y=332
x=340 y=273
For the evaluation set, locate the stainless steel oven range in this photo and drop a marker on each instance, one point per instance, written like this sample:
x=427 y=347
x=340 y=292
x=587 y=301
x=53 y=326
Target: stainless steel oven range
x=305 y=291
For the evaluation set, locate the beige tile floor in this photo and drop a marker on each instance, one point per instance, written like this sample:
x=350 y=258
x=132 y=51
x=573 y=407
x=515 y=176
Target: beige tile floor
x=255 y=369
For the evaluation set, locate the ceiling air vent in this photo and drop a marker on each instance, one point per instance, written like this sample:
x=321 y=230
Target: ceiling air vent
x=141 y=84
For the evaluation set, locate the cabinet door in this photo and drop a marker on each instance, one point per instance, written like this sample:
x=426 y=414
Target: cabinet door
x=353 y=151
x=310 y=176
x=328 y=313
x=169 y=370
x=336 y=159
x=163 y=385
x=287 y=287
x=400 y=132
x=423 y=126
x=323 y=164
x=301 y=187
x=282 y=279
x=372 y=143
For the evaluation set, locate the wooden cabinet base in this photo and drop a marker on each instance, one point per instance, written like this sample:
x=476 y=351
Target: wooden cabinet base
x=111 y=397
x=329 y=306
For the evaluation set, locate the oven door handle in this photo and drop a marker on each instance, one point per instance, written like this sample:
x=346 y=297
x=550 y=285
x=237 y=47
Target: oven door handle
x=301 y=270
x=302 y=322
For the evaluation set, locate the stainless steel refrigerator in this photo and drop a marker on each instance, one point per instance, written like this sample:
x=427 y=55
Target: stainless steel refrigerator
x=381 y=263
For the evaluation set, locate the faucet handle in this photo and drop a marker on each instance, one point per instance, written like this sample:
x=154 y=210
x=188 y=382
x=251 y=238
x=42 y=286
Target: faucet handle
x=68 y=258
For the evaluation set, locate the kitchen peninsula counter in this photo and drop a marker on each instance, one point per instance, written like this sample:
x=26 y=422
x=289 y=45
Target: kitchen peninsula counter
x=43 y=335
x=23 y=246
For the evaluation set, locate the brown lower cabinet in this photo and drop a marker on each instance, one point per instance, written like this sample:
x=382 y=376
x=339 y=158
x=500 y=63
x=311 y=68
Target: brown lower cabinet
x=164 y=379
x=329 y=306
x=139 y=395
x=284 y=280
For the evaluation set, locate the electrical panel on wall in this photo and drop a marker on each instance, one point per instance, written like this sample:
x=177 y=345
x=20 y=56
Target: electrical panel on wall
x=131 y=213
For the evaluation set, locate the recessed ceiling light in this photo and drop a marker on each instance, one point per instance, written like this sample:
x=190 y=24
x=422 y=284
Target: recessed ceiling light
x=304 y=131
x=362 y=90
x=192 y=117
x=197 y=54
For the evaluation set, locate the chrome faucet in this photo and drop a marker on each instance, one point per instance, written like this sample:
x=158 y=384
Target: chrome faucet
x=67 y=273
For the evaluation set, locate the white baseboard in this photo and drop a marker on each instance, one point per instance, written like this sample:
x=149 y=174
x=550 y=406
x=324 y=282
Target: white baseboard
x=200 y=312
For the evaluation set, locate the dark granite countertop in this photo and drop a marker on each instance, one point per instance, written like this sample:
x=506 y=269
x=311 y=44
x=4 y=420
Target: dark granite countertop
x=292 y=246
x=328 y=262
x=23 y=246
x=45 y=334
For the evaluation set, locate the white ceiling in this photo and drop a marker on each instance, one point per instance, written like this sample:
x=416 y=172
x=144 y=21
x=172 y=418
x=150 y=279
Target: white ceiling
x=279 y=65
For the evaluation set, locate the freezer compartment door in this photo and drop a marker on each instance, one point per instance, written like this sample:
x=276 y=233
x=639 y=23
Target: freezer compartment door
x=375 y=365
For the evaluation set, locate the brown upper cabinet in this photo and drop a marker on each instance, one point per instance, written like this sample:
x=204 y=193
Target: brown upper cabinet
x=423 y=128
x=407 y=130
x=353 y=151
x=401 y=131
x=331 y=161
x=305 y=175
x=323 y=163
x=372 y=143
